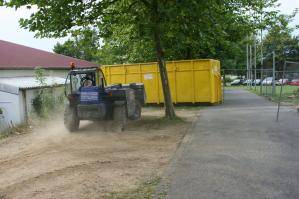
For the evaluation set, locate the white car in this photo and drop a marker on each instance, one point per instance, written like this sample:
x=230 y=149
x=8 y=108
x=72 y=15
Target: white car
x=267 y=81
x=282 y=81
x=236 y=82
x=247 y=81
x=257 y=82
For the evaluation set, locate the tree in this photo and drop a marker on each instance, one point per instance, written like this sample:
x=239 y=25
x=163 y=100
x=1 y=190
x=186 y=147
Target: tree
x=153 y=21
x=83 y=46
x=280 y=39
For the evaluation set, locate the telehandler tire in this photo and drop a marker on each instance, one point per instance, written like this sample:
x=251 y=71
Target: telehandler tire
x=137 y=113
x=120 y=118
x=71 y=120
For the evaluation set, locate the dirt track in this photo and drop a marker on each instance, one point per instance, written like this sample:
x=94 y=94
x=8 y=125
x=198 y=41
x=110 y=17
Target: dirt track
x=53 y=163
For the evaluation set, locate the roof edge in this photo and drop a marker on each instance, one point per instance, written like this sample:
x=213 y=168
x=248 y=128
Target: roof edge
x=41 y=87
x=47 y=68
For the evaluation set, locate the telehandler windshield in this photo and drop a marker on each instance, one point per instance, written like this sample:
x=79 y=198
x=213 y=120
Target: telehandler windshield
x=77 y=79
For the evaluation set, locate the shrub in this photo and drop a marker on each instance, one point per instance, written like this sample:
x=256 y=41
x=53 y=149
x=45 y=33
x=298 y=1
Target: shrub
x=45 y=102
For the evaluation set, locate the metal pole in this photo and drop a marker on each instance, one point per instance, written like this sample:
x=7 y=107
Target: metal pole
x=250 y=65
x=255 y=63
x=247 y=61
x=273 y=75
x=280 y=94
x=267 y=83
x=223 y=86
x=262 y=67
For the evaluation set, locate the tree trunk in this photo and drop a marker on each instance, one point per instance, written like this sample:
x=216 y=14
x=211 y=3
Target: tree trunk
x=169 y=109
x=189 y=53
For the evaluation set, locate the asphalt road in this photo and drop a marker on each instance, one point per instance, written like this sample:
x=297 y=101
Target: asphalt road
x=238 y=151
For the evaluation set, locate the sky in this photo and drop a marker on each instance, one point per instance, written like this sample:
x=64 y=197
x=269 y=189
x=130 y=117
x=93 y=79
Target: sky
x=10 y=30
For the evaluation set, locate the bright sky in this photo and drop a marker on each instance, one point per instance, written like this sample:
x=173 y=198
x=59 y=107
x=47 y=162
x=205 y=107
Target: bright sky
x=10 y=30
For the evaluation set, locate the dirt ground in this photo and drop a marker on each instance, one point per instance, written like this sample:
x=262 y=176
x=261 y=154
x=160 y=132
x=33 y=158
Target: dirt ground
x=50 y=162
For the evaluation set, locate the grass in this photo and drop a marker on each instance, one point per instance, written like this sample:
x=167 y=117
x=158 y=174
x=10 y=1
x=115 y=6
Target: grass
x=16 y=130
x=145 y=190
x=290 y=94
x=158 y=122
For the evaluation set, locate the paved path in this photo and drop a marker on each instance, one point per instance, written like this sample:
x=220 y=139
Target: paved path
x=238 y=151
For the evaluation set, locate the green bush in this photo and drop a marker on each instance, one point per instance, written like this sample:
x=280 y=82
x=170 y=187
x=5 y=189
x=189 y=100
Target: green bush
x=37 y=103
x=45 y=102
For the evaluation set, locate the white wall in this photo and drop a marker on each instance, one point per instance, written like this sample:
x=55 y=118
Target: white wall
x=30 y=73
x=10 y=105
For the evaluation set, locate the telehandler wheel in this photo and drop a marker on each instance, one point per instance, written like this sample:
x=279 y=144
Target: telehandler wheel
x=71 y=120
x=137 y=113
x=120 y=117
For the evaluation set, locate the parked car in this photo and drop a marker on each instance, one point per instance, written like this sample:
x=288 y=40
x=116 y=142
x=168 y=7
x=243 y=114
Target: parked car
x=256 y=82
x=294 y=82
x=267 y=81
x=247 y=81
x=282 y=82
x=236 y=82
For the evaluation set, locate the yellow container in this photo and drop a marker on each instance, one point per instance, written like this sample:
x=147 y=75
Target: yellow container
x=191 y=81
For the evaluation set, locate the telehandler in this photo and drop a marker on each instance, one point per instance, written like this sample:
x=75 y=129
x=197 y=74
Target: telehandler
x=89 y=98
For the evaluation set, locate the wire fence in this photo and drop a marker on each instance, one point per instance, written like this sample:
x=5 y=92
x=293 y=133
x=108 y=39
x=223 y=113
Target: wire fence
x=281 y=86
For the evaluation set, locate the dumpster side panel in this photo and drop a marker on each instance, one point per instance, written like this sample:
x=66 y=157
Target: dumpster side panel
x=190 y=81
x=217 y=90
x=151 y=79
x=202 y=84
x=132 y=73
x=185 y=82
x=202 y=81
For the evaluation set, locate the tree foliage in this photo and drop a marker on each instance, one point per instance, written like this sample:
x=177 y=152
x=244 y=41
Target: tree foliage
x=83 y=46
x=191 y=29
x=280 y=39
x=148 y=30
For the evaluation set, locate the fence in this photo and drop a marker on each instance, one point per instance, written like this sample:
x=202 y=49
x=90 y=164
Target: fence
x=281 y=86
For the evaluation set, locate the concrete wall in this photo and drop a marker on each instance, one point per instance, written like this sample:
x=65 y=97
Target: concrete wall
x=30 y=73
x=10 y=105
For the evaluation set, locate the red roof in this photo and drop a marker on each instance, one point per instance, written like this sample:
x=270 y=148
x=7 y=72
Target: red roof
x=15 y=56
